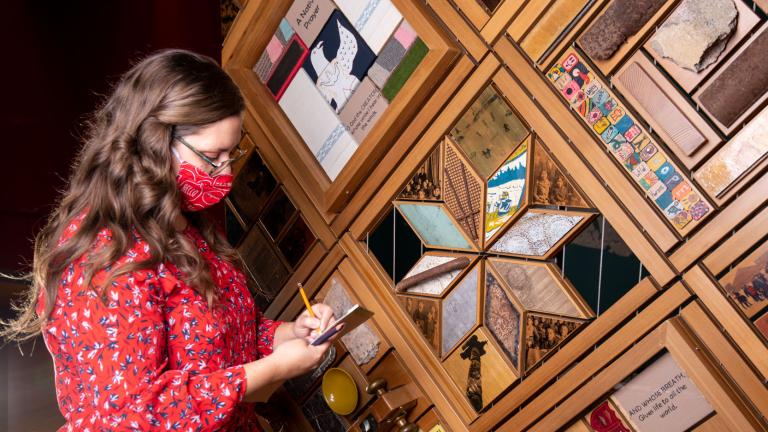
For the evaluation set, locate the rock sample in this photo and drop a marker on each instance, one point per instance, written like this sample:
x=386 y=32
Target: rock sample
x=621 y=19
x=742 y=83
x=696 y=33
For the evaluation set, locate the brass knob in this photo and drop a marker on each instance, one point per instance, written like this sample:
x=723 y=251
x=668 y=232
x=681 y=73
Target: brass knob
x=377 y=387
x=409 y=427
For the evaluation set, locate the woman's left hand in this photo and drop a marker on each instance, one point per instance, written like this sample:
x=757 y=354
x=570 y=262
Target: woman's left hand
x=309 y=328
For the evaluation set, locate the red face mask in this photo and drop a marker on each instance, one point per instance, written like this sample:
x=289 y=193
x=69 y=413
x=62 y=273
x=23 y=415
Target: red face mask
x=200 y=190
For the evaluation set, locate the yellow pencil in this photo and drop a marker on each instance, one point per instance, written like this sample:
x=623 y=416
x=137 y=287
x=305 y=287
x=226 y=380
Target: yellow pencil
x=306 y=301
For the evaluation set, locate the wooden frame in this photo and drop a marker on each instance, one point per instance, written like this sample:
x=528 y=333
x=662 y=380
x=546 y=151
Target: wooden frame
x=675 y=337
x=330 y=196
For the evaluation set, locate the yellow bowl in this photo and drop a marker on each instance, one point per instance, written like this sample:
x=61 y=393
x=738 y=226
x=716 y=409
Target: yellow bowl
x=339 y=391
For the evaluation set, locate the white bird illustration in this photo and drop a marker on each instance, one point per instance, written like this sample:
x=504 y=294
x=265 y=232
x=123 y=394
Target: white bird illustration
x=335 y=80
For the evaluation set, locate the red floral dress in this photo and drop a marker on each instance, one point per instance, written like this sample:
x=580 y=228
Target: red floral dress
x=155 y=357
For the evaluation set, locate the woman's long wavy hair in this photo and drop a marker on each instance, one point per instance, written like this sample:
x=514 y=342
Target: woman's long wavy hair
x=123 y=179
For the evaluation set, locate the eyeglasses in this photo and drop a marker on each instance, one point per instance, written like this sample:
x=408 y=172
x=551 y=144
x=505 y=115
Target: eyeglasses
x=216 y=168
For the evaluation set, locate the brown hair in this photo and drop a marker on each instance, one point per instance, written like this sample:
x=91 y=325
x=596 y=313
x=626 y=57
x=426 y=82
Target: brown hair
x=123 y=179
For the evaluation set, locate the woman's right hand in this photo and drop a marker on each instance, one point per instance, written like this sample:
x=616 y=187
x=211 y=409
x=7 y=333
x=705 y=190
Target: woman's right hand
x=297 y=357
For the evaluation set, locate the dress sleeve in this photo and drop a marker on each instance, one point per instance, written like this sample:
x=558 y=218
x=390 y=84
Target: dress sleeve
x=112 y=368
x=265 y=334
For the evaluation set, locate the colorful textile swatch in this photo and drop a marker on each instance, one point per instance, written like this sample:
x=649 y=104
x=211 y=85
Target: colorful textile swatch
x=406 y=68
x=392 y=54
x=273 y=51
x=317 y=124
x=338 y=60
x=640 y=156
x=308 y=17
x=375 y=20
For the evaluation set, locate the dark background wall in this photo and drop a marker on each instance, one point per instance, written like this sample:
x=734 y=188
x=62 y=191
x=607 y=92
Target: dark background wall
x=59 y=58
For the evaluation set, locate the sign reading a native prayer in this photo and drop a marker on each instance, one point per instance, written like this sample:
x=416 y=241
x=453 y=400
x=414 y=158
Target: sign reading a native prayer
x=662 y=398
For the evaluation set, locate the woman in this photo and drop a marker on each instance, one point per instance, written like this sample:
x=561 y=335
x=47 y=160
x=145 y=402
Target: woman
x=139 y=299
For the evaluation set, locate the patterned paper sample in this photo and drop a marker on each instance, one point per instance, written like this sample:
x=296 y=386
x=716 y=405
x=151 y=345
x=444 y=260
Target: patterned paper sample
x=435 y=286
x=550 y=185
x=640 y=156
x=479 y=370
x=747 y=282
x=405 y=69
x=536 y=233
x=502 y=318
x=338 y=60
x=463 y=193
x=307 y=17
x=433 y=225
x=426 y=183
x=543 y=334
x=660 y=389
x=425 y=314
x=363 y=110
x=392 y=54
x=375 y=20
x=742 y=82
x=535 y=287
x=317 y=124
x=736 y=157
x=621 y=19
x=362 y=342
x=488 y=132
x=506 y=191
x=459 y=311
x=273 y=51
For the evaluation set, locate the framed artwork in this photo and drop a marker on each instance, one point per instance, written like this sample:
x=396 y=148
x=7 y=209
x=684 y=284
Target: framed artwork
x=264 y=264
x=662 y=397
x=762 y=325
x=277 y=214
x=310 y=129
x=679 y=387
x=251 y=188
x=296 y=241
x=747 y=282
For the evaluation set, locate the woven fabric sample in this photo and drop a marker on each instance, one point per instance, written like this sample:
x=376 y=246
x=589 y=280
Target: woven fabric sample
x=463 y=193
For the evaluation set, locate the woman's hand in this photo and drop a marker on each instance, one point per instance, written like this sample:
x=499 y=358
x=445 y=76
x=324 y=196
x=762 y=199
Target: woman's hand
x=297 y=357
x=308 y=328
